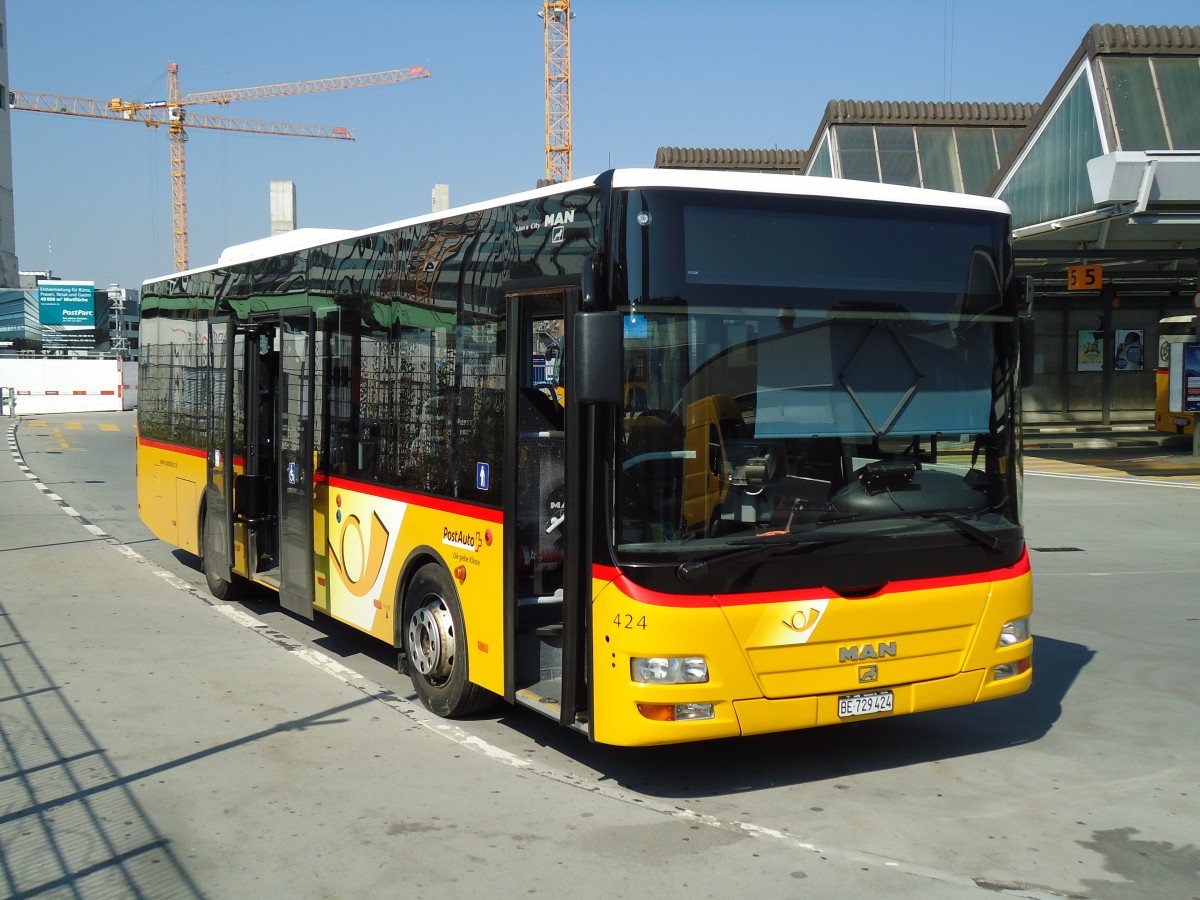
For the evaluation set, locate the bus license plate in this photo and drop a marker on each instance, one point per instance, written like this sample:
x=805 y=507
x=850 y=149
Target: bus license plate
x=864 y=704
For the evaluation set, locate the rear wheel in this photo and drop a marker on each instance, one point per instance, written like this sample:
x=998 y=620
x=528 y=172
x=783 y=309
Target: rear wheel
x=435 y=644
x=217 y=585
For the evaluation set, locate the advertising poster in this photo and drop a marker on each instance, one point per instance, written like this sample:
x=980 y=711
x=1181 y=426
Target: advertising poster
x=1191 y=378
x=68 y=315
x=1131 y=352
x=1091 y=352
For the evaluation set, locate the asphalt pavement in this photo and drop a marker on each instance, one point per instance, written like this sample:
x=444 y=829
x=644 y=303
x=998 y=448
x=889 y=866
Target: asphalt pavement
x=157 y=744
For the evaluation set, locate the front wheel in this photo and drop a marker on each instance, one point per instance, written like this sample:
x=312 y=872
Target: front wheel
x=218 y=586
x=435 y=645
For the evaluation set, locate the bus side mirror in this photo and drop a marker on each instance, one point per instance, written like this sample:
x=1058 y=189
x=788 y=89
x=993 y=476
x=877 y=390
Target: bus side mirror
x=596 y=359
x=1025 y=323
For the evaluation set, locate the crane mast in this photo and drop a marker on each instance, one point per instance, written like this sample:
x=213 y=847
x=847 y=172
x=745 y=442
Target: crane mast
x=178 y=140
x=556 y=16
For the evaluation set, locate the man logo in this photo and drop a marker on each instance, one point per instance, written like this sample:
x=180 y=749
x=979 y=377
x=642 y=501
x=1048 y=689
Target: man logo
x=868 y=674
x=881 y=650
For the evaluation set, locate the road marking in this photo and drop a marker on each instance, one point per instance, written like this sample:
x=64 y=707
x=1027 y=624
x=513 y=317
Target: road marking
x=107 y=427
x=1127 y=479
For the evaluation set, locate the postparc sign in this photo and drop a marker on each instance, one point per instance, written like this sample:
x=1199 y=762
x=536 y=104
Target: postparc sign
x=68 y=303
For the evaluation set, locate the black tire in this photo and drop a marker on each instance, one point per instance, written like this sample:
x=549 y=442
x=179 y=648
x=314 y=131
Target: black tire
x=435 y=646
x=233 y=589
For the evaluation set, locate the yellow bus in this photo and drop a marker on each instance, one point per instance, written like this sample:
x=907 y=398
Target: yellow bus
x=810 y=515
x=1171 y=415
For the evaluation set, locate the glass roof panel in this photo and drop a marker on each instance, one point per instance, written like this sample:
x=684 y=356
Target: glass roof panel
x=822 y=161
x=1134 y=103
x=856 y=152
x=1179 y=85
x=898 y=154
x=977 y=156
x=1051 y=181
x=1007 y=140
x=939 y=161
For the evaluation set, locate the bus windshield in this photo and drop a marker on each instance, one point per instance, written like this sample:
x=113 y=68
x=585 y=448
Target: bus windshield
x=802 y=370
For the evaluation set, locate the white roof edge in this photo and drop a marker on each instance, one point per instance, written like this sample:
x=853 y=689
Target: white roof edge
x=287 y=241
x=803 y=185
x=751 y=182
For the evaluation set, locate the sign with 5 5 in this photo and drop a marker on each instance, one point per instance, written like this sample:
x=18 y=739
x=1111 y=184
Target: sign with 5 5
x=1085 y=278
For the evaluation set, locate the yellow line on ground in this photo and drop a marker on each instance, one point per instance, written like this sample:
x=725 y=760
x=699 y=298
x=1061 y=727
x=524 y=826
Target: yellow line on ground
x=107 y=427
x=75 y=426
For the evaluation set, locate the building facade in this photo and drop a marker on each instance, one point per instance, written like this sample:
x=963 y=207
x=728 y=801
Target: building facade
x=8 y=234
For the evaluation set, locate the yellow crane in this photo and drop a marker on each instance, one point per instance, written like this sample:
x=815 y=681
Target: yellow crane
x=175 y=115
x=556 y=16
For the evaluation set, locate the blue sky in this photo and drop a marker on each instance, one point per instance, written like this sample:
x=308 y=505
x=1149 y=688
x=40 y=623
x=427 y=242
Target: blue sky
x=93 y=198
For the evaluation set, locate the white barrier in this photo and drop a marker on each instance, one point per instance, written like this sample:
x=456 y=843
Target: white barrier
x=67 y=384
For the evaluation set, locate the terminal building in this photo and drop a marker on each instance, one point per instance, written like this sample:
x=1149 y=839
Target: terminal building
x=1103 y=178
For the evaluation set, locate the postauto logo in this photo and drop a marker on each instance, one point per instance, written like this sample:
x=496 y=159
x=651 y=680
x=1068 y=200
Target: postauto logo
x=358 y=557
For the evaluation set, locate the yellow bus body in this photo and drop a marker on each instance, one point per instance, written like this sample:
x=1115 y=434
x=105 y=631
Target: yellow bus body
x=365 y=543
x=775 y=661
x=170 y=484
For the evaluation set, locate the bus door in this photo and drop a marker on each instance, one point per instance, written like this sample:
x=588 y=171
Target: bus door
x=224 y=347
x=273 y=496
x=294 y=465
x=542 y=610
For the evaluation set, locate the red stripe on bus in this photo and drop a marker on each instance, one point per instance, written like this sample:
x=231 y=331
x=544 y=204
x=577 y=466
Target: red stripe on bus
x=79 y=393
x=656 y=598
x=441 y=504
x=172 y=448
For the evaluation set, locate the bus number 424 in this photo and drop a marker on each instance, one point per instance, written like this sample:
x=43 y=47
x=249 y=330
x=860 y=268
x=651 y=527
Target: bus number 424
x=627 y=621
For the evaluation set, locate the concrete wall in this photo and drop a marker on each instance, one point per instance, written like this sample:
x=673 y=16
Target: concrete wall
x=45 y=386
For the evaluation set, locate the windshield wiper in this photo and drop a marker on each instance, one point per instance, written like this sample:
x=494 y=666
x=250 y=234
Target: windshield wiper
x=767 y=547
x=987 y=540
x=958 y=520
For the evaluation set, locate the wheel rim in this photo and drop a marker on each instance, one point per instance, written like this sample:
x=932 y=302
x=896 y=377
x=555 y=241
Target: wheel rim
x=431 y=640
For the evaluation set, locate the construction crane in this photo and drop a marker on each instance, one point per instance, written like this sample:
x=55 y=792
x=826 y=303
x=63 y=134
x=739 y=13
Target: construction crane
x=556 y=16
x=175 y=115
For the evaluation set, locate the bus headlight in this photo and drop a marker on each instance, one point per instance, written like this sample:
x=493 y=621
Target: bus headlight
x=1014 y=632
x=668 y=669
x=1011 y=670
x=677 y=712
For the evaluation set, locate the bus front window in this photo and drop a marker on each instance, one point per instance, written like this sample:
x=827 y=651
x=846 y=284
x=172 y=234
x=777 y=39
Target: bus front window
x=775 y=392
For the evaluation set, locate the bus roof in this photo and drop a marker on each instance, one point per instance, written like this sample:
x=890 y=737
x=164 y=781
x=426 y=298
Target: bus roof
x=700 y=179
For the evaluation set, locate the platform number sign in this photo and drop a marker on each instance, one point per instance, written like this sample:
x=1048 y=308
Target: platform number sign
x=1085 y=278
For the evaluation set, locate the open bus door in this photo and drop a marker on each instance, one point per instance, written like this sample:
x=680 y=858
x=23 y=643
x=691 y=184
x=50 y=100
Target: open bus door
x=273 y=495
x=546 y=608
x=294 y=418
x=216 y=527
x=262 y=391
